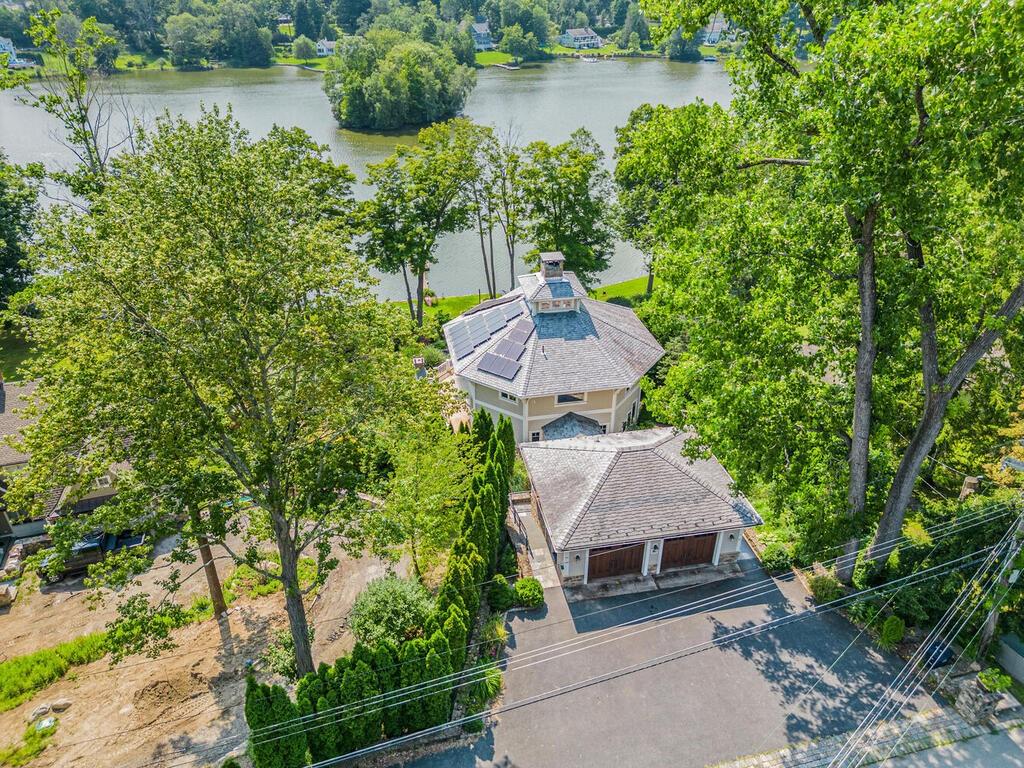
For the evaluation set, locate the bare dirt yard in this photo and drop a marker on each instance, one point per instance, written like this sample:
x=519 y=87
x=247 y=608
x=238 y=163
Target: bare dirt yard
x=182 y=709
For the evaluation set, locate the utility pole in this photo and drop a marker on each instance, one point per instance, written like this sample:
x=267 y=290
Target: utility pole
x=1006 y=582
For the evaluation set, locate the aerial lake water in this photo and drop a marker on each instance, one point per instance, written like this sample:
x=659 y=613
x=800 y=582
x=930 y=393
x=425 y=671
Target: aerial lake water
x=547 y=101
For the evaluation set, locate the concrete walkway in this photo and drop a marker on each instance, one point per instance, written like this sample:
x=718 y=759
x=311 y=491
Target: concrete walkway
x=996 y=750
x=920 y=732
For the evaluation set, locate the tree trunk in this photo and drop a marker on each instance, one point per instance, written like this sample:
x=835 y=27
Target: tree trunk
x=297 y=622
x=650 y=277
x=902 y=487
x=863 y=233
x=938 y=393
x=490 y=248
x=421 y=285
x=408 y=292
x=220 y=606
x=511 y=242
x=488 y=271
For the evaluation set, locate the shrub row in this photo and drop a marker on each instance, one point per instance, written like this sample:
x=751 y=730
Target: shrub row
x=338 y=693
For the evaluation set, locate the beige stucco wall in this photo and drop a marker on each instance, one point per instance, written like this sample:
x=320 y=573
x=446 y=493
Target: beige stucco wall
x=609 y=407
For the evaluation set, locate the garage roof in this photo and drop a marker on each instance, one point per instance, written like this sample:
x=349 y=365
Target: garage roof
x=629 y=486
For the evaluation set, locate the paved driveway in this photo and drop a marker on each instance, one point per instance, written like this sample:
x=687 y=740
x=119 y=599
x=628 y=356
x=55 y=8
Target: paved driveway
x=708 y=706
x=998 y=750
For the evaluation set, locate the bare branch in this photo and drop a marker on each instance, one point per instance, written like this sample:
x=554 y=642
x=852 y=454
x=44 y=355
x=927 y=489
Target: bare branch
x=774 y=161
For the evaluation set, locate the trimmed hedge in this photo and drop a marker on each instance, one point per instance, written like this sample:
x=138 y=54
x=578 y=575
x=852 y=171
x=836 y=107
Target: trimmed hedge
x=383 y=666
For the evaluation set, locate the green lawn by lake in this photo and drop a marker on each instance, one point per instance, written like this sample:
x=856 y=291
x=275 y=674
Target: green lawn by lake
x=490 y=58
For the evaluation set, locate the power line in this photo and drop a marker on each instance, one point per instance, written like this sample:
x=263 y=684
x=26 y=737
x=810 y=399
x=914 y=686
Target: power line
x=744 y=593
x=745 y=632
x=906 y=673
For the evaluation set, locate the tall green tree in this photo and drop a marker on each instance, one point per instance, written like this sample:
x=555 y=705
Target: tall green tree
x=567 y=190
x=19 y=193
x=884 y=156
x=421 y=193
x=235 y=310
x=188 y=39
x=429 y=478
x=508 y=195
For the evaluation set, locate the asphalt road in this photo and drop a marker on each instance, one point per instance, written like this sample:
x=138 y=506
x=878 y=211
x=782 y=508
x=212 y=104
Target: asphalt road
x=806 y=679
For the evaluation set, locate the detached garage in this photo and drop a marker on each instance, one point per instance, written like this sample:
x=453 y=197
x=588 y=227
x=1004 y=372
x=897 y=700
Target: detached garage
x=630 y=504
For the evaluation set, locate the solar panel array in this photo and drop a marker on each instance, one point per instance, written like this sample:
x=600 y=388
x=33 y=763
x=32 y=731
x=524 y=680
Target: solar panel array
x=521 y=331
x=499 y=366
x=470 y=332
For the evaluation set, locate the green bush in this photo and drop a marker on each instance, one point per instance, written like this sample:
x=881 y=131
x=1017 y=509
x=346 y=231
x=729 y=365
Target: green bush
x=279 y=655
x=500 y=595
x=995 y=680
x=776 y=558
x=508 y=564
x=23 y=676
x=246 y=580
x=230 y=763
x=493 y=636
x=892 y=633
x=863 y=612
x=825 y=588
x=390 y=609
x=529 y=593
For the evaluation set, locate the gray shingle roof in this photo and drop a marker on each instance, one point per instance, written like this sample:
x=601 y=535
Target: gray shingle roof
x=536 y=287
x=571 y=425
x=600 y=346
x=630 y=486
x=13 y=397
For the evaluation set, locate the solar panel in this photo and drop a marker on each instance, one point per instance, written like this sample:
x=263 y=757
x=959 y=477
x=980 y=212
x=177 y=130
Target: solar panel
x=462 y=348
x=525 y=323
x=490 y=363
x=495 y=321
x=513 y=309
x=478 y=330
x=519 y=335
x=510 y=349
x=509 y=369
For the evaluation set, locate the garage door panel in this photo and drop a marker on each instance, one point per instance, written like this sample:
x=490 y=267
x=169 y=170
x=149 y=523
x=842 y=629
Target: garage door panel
x=688 y=550
x=615 y=561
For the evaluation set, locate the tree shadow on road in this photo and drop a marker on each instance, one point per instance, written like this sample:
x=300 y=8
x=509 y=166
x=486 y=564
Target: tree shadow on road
x=827 y=674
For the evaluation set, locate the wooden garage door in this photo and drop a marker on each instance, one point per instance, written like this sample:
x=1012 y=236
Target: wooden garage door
x=688 y=550
x=615 y=561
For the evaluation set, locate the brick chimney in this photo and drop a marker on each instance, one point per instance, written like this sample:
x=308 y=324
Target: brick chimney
x=551 y=265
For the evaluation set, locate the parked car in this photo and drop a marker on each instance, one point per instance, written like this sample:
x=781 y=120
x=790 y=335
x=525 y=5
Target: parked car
x=91 y=549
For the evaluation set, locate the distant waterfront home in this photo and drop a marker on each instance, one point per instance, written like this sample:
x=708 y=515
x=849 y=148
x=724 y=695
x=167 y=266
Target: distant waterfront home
x=7 y=47
x=14 y=398
x=546 y=351
x=630 y=504
x=580 y=38
x=481 y=34
x=325 y=47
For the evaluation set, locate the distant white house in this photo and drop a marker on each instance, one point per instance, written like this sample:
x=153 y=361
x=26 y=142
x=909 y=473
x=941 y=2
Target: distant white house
x=580 y=38
x=7 y=47
x=326 y=47
x=481 y=34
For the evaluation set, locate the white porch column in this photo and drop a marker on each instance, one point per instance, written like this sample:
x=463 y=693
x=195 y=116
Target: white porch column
x=718 y=548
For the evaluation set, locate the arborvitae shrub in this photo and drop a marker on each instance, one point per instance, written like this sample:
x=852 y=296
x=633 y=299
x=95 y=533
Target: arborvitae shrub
x=529 y=593
x=500 y=595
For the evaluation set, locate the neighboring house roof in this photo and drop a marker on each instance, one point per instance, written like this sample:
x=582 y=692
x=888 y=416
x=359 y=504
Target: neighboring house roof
x=13 y=397
x=571 y=425
x=630 y=486
x=581 y=32
x=481 y=28
x=599 y=346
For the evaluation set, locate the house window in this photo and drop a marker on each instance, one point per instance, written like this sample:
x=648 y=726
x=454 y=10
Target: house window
x=575 y=397
x=535 y=437
x=103 y=482
x=510 y=398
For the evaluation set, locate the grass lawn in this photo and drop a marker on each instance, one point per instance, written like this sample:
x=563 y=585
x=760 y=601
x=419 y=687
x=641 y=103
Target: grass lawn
x=609 y=49
x=316 y=63
x=130 y=61
x=14 y=350
x=628 y=289
x=487 y=58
